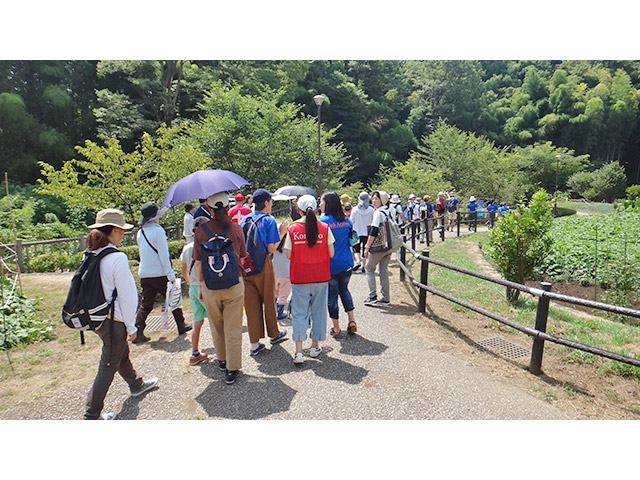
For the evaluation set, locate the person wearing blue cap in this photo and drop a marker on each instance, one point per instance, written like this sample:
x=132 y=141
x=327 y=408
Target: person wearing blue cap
x=260 y=288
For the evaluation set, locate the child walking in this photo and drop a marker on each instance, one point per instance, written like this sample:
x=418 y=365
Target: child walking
x=197 y=307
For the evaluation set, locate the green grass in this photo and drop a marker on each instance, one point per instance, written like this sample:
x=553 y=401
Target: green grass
x=588 y=207
x=601 y=333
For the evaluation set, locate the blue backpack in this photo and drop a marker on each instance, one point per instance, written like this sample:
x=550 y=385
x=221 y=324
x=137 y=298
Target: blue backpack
x=253 y=263
x=219 y=261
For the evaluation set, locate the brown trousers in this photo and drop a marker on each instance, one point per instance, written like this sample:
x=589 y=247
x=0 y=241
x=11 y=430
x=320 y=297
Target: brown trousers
x=151 y=287
x=260 y=304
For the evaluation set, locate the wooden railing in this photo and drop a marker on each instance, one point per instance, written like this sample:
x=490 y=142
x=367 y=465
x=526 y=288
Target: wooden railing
x=25 y=251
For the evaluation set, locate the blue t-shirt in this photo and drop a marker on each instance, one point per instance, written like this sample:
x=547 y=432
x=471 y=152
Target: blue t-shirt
x=472 y=206
x=343 y=257
x=492 y=207
x=267 y=228
x=502 y=210
x=453 y=203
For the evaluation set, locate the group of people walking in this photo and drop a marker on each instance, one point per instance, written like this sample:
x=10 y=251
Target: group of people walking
x=309 y=257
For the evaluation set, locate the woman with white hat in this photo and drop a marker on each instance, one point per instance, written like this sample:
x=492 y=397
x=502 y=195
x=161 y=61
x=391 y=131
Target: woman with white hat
x=361 y=217
x=116 y=277
x=309 y=246
x=380 y=201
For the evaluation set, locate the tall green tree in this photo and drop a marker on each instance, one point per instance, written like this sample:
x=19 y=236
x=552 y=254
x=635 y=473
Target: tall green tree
x=269 y=144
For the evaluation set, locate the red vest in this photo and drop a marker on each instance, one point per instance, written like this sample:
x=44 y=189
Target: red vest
x=309 y=265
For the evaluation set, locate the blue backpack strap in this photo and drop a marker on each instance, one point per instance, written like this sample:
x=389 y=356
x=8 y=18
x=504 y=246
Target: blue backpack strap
x=206 y=230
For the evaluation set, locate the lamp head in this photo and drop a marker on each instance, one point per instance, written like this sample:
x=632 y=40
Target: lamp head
x=318 y=99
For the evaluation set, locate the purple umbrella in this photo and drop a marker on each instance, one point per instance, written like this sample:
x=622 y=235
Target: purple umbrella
x=202 y=184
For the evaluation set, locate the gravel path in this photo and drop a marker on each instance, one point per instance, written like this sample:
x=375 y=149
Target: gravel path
x=384 y=372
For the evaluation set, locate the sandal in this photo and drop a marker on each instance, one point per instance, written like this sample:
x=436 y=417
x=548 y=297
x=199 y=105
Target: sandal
x=352 y=327
x=333 y=333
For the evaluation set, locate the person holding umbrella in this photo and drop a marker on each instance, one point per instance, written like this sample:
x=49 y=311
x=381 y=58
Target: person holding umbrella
x=223 y=306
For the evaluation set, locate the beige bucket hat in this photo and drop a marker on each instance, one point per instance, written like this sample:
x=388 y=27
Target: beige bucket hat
x=110 y=216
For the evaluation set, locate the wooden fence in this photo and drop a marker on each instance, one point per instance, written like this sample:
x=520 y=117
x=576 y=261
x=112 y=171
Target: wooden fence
x=544 y=295
x=25 y=251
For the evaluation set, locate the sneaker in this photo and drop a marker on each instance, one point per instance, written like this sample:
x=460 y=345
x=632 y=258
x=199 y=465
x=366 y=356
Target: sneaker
x=222 y=365
x=199 y=359
x=370 y=302
x=231 y=376
x=140 y=338
x=145 y=387
x=254 y=351
x=382 y=302
x=298 y=358
x=357 y=266
x=107 y=416
x=187 y=327
x=314 y=352
x=279 y=337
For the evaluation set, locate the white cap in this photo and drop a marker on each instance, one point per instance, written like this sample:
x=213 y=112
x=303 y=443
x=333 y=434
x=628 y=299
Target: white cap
x=307 y=201
x=217 y=198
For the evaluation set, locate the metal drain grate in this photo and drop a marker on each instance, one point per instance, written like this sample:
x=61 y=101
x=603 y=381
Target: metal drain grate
x=503 y=347
x=154 y=324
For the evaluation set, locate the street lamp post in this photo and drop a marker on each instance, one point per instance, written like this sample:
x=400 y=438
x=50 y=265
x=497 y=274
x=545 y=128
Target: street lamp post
x=318 y=99
x=555 y=204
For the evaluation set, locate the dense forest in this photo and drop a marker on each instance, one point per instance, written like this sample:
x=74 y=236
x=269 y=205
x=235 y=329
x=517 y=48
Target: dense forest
x=376 y=113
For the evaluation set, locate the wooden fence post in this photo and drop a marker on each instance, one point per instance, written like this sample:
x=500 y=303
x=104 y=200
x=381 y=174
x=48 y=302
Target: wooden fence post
x=458 y=223
x=403 y=253
x=424 y=278
x=20 y=255
x=413 y=235
x=535 y=365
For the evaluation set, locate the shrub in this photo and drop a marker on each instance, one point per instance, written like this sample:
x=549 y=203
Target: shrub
x=520 y=240
x=49 y=262
x=19 y=324
x=633 y=192
x=175 y=248
x=132 y=252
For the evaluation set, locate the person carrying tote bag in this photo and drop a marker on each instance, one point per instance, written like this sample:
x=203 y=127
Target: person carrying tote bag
x=381 y=257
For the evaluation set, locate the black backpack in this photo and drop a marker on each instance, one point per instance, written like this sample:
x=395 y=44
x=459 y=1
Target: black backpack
x=219 y=261
x=86 y=307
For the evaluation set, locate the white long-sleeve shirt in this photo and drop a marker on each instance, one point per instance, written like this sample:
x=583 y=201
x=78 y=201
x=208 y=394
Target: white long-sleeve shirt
x=116 y=275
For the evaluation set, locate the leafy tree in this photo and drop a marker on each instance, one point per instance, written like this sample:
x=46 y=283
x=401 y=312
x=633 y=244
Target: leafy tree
x=520 y=240
x=471 y=164
x=447 y=90
x=606 y=183
x=542 y=163
x=414 y=176
x=110 y=178
x=270 y=145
